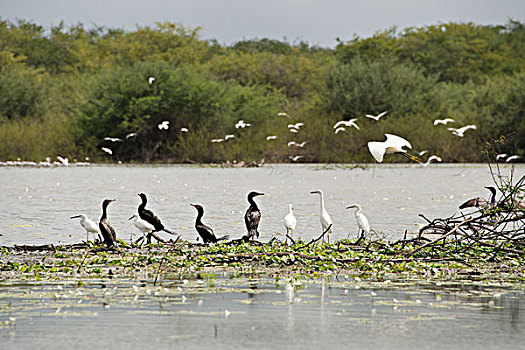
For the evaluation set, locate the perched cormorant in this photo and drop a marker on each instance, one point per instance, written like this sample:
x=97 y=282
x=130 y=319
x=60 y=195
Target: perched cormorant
x=481 y=202
x=206 y=232
x=148 y=216
x=88 y=224
x=252 y=217
x=108 y=233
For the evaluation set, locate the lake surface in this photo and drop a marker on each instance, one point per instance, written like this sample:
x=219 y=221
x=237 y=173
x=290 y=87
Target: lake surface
x=260 y=313
x=37 y=202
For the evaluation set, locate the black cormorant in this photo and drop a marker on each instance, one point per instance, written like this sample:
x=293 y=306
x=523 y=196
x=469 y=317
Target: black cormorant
x=148 y=216
x=108 y=232
x=481 y=202
x=206 y=232
x=252 y=217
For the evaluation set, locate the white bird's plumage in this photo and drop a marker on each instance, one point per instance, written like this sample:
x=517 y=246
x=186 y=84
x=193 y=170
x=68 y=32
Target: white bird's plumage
x=502 y=155
x=64 y=161
x=324 y=217
x=133 y=134
x=460 y=131
x=290 y=221
x=295 y=158
x=295 y=126
x=142 y=225
x=293 y=143
x=89 y=225
x=184 y=129
x=217 y=140
x=113 y=139
x=271 y=137
x=295 y=131
x=376 y=117
x=242 y=124
x=151 y=80
x=362 y=221
x=282 y=114
x=393 y=144
x=511 y=158
x=107 y=150
x=164 y=125
x=430 y=159
x=443 y=121
x=227 y=137
x=347 y=123
x=338 y=130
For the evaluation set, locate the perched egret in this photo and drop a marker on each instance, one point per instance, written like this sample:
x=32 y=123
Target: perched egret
x=164 y=125
x=107 y=150
x=252 y=217
x=206 y=232
x=459 y=132
x=289 y=222
x=430 y=159
x=338 y=130
x=113 y=139
x=511 y=158
x=481 y=202
x=151 y=80
x=443 y=121
x=108 y=232
x=393 y=144
x=88 y=224
x=142 y=225
x=325 y=218
x=347 y=123
x=376 y=117
x=295 y=158
x=271 y=137
x=184 y=129
x=148 y=216
x=362 y=221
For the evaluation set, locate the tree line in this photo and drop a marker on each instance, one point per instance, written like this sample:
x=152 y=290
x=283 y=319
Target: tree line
x=64 y=90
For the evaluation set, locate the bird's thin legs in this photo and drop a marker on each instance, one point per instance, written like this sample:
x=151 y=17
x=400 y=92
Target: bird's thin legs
x=411 y=157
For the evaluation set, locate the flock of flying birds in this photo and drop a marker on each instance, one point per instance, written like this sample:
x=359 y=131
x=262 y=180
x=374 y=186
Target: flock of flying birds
x=393 y=143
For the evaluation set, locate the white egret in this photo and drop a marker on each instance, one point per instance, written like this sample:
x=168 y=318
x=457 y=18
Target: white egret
x=422 y=153
x=242 y=124
x=227 y=137
x=89 y=225
x=481 y=202
x=107 y=150
x=325 y=218
x=164 y=125
x=430 y=159
x=130 y=135
x=151 y=80
x=443 y=121
x=347 y=123
x=142 y=225
x=502 y=155
x=338 y=130
x=295 y=158
x=217 y=140
x=64 y=161
x=271 y=137
x=113 y=139
x=511 y=158
x=362 y=221
x=295 y=131
x=282 y=114
x=393 y=144
x=184 y=129
x=461 y=131
x=289 y=222
x=295 y=126
x=376 y=117
x=293 y=143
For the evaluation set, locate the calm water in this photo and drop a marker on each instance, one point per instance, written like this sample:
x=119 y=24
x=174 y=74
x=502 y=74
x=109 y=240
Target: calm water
x=260 y=313
x=37 y=203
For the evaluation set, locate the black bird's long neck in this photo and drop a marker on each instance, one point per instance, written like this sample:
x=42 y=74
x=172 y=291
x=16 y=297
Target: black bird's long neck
x=200 y=214
x=253 y=205
x=142 y=205
x=104 y=211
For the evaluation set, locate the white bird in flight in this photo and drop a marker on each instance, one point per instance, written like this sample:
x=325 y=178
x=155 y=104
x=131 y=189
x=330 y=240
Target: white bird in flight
x=376 y=117
x=422 y=153
x=289 y=222
x=242 y=124
x=271 y=137
x=130 y=135
x=295 y=158
x=511 y=158
x=282 y=114
x=295 y=126
x=338 y=130
x=295 y=131
x=113 y=139
x=293 y=143
x=502 y=155
x=393 y=144
x=107 y=150
x=151 y=80
x=64 y=161
x=164 y=125
x=347 y=123
x=227 y=137
x=443 y=121
x=362 y=221
x=460 y=131
x=325 y=218
x=430 y=159
x=184 y=129
x=217 y=140
x=89 y=225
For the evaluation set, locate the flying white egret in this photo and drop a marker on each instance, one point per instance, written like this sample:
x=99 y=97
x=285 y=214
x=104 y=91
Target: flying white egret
x=164 y=125
x=295 y=131
x=325 y=218
x=376 y=117
x=338 y=130
x=113 y=139
x=242 y=124
x=293 y=143
x=295 y=126
x=88 y=224
x=289 y=222
x=130 y=135
x=430 y=159
x=502 y=155
x=362 y=221
x=347 y=123
x=295 y=158
x=217 y=140
x=64 y=161
x=422 y=153
x=393 y=144
x=151 y=80
x=142 y=225
x=511 y=158
x=282 y=114
x=461 y=131
x=271 y=137
x=107 y=150
x=227 y=137
x=184 y=129
x=443 y=121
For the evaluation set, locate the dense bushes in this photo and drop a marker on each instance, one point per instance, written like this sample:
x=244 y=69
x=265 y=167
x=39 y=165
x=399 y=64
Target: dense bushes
x=63 y=90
